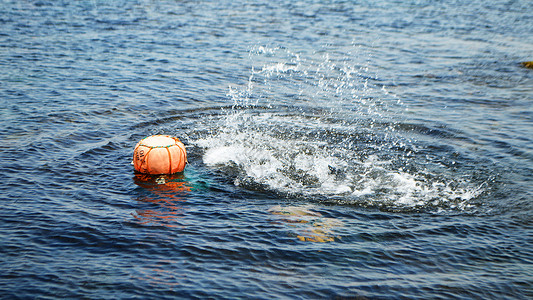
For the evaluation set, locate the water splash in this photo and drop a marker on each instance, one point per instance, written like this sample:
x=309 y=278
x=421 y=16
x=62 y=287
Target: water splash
x=321 y=128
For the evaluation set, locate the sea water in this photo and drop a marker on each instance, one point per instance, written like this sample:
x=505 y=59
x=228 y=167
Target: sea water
x=337 y=149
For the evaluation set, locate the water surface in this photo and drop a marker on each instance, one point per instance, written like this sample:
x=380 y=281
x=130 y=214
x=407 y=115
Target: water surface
x=376 y=149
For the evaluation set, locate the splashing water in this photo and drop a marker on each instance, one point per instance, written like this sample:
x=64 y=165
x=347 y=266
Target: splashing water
x=321 y=128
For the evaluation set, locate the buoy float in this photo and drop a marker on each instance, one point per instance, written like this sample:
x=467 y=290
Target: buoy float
x=159 y=154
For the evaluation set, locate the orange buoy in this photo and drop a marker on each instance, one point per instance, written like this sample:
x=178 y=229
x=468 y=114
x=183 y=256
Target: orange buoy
x=159 y=154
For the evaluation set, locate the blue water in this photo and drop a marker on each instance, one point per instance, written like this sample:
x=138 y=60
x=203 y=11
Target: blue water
x=337 y=149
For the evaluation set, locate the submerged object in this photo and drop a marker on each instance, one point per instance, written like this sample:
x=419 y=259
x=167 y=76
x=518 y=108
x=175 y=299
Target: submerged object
x=159 y=154
x=309 y=226
x=528 y=64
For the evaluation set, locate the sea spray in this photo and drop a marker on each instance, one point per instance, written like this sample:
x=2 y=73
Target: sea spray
x=324 y=129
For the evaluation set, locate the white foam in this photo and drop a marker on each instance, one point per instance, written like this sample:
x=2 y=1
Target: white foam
x=278 y=68
x=306 y=167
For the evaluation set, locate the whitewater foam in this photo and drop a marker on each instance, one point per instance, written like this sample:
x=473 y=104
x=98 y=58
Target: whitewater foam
x=305 y=167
